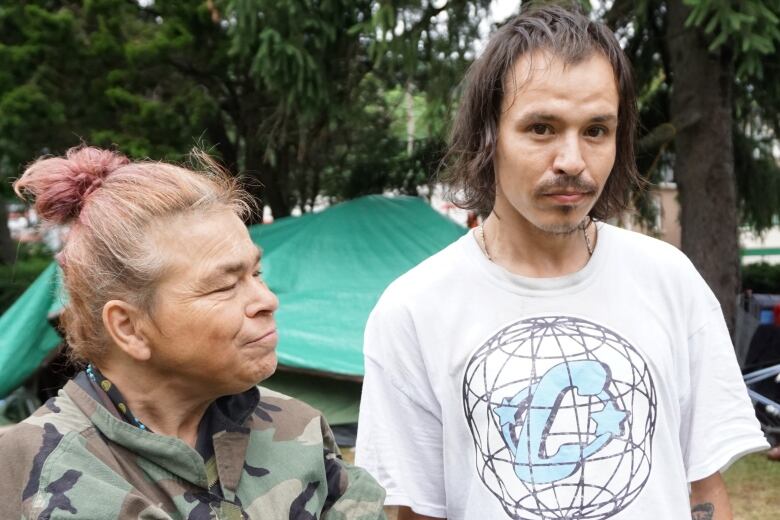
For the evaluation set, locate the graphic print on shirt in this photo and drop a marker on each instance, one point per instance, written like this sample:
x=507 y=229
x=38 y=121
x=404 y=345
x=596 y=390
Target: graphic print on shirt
x=562 y=412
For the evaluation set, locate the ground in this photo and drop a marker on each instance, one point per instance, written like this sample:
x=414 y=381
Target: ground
x=754 y=488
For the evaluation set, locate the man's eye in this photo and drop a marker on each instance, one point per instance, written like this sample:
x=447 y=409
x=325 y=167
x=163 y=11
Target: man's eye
x=596 y=131
x=226 y=288
x=541 y=129
x=258 y=274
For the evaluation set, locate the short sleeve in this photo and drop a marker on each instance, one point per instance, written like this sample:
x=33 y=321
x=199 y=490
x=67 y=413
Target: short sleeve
x=718 y=422
x=399 y=437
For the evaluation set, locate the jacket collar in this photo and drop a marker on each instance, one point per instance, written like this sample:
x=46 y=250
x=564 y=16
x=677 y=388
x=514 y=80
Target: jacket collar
x=223 y=432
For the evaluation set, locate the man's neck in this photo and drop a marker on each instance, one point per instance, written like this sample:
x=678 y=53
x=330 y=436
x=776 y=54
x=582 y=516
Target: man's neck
x=158 y=402
x=522 y=248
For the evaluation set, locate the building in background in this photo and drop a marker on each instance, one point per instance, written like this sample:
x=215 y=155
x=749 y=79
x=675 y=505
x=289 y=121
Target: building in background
x=666 y=227
x=760 y=248
x=764 y=247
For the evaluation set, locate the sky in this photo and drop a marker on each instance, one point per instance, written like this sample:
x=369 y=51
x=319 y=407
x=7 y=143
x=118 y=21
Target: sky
x=500 y=9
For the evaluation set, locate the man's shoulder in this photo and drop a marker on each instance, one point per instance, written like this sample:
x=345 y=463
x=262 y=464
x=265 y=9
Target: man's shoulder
x=432 y=273
x=632 y=246
x=660 y=269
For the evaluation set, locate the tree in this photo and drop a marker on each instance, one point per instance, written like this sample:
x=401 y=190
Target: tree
x=701 y=105
x=33 y=42
x=298 y=85
x=62 y=83
x=708 y=83
x=292 y=94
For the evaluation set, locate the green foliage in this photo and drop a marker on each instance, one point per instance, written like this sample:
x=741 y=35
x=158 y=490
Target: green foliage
x=752 y=27
x=747 y=32
x=290 y=92
x=68 y=77
x=759 y=180
x=761 y=278
x=286 y=43
x=750 y=30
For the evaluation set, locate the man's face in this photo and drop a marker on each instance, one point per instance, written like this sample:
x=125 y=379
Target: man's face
x=556 y=140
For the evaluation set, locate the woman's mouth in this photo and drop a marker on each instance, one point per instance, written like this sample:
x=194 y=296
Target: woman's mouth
x=268 y=338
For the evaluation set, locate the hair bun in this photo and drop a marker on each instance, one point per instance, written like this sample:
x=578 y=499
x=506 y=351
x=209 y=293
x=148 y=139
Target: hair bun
x=61 y=185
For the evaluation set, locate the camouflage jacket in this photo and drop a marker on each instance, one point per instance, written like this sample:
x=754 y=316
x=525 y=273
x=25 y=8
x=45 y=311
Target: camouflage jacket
x=272 y=457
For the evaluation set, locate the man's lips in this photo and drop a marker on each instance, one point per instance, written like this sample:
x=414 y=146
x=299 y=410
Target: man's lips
x=570 y=197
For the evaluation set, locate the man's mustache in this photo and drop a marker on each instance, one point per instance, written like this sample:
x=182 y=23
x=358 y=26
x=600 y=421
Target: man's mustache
x=565 y=184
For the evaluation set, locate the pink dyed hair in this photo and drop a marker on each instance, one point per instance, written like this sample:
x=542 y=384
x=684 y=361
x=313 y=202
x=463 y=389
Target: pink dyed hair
x=112 y=205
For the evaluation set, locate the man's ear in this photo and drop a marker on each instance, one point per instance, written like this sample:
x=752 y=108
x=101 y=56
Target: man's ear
x=124 y=323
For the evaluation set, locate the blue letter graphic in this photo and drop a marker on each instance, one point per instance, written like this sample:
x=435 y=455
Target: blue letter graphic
x=590 y=378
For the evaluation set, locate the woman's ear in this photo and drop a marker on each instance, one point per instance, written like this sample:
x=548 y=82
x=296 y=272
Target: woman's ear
x=124 y=323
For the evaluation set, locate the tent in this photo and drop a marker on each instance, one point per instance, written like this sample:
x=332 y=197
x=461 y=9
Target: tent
x=328 y=270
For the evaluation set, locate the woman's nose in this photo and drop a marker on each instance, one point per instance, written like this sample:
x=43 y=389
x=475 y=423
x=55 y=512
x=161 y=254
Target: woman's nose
x=263 y=300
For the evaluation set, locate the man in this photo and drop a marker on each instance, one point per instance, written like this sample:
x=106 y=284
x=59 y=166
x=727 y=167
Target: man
x=548 y=365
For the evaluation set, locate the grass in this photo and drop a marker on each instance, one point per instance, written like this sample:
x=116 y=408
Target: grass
x=754 y=488
x=753 y=483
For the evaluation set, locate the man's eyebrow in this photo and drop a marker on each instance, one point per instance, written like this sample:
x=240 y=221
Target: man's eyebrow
x=540 y=116
x=551 y=118
x=604 y=118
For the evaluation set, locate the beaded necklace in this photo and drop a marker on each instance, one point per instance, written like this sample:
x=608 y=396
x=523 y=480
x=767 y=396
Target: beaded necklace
x=115 y=395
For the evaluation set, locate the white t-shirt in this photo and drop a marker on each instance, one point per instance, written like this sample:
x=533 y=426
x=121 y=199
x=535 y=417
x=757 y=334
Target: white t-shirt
x=595 y=395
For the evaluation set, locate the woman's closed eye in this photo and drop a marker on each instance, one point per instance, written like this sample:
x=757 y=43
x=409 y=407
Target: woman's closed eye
x=226 y=288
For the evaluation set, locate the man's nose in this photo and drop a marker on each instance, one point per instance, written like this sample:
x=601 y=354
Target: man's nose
x=569 y=160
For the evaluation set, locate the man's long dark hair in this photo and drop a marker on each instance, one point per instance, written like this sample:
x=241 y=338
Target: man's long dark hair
x=566 y=34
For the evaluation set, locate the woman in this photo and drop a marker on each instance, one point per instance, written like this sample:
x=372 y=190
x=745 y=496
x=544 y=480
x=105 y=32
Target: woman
x=169 y=312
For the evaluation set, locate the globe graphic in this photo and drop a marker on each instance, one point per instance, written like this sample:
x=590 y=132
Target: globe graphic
x=562 y=412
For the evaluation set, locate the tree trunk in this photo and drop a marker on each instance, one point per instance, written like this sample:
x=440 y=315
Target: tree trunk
x=270 y=190
x=226 y=147
x=701 y=106
x=7 y=245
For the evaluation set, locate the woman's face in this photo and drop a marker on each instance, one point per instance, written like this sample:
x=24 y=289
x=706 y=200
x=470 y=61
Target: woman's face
x=211 y=326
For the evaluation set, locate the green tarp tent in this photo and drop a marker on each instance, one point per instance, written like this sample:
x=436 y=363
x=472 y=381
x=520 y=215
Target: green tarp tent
x=328 y=270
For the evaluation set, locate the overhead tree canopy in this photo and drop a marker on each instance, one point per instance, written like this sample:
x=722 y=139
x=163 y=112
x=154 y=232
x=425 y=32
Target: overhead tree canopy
x=294 y=94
